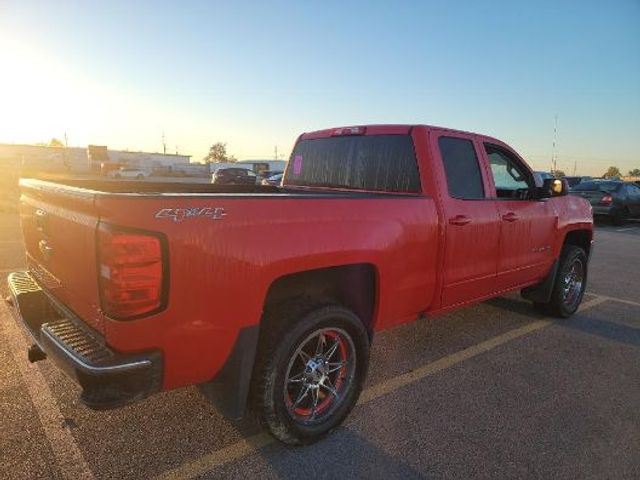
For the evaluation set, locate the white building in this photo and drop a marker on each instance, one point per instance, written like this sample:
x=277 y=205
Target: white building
x=77 y=159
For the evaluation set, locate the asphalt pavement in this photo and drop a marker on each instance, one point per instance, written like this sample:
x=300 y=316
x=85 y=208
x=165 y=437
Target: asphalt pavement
x=490 y=391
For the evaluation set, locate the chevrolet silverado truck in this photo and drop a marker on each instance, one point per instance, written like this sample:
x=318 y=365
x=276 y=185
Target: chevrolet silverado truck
x=273 y=294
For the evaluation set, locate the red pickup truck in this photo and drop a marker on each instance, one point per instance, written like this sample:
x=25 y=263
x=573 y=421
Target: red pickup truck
x=274 y=293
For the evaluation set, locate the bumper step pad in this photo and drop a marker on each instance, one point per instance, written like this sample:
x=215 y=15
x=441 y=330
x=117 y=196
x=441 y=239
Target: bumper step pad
x=108 y=379
x=30 y=300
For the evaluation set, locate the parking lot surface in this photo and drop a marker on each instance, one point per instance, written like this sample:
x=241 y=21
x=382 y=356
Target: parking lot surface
x=491 y=391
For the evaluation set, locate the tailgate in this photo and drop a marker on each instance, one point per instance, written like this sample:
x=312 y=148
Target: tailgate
x=59 y=226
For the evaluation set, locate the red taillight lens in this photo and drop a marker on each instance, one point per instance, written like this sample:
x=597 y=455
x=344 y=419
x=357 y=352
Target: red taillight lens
x=131 y=275
x=606 y=200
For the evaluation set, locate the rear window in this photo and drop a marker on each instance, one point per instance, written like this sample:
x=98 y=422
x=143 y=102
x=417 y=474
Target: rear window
x=597 y=186
x=376 y=162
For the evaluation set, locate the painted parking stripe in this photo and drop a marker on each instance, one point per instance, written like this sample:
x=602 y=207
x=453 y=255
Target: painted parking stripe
x=620 y=300
x=68 y=456
x=247 y=446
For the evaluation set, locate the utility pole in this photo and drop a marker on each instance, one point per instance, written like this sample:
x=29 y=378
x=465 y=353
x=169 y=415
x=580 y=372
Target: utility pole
x=575 y=166
x=275 y=153
x=164 y=144
x=554 y=153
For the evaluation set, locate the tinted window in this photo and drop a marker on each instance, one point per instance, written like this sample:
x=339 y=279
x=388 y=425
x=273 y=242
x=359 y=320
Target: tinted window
x=573 y=181
x=597 y=186
x=461 y=167
x=375 y=162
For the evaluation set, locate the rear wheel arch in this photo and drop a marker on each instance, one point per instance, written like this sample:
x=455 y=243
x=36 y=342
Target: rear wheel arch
x=354 y=286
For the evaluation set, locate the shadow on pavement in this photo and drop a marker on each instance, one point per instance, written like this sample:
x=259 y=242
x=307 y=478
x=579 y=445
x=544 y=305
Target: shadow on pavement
x=605 y=329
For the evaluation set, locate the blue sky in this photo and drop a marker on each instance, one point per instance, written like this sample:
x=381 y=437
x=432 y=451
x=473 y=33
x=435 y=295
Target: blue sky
x=255 y=74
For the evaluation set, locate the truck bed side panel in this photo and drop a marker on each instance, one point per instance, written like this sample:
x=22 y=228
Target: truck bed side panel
x=221 y=270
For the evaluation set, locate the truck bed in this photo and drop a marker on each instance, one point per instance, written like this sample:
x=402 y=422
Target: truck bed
x=120 y=186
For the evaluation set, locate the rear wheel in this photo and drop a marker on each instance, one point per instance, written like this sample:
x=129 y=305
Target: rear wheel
x=620 y=217
x=570 y=283
x=309 y=372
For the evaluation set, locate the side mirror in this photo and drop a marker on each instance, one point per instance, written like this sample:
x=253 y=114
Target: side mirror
x=553 y=187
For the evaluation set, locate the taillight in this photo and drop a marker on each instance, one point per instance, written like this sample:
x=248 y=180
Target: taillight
x=132 y=273
x=606 y=200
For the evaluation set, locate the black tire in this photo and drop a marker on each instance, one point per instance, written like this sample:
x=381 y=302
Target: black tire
x=291 y=332
x=620 y=217
x=567 y=296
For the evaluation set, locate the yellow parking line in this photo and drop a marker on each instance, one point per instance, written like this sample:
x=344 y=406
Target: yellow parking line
x=249 y=445
x=413 y=376
x=225 y=455
x=620 y=300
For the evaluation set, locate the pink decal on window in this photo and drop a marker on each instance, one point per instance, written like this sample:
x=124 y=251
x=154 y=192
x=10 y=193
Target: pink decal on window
x=297 y=165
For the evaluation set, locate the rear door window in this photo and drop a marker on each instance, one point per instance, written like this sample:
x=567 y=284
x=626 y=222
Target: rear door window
x=462 y=168
x=360 y=162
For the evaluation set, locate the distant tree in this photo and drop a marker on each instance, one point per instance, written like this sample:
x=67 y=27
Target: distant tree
x=55 y=143
x=635 y=172
x=558 y=173
x=612 y=172
x=218 y=154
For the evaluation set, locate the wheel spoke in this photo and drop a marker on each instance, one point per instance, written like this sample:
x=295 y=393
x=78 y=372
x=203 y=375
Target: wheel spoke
x=327 y=384
x=296 y=378
x=303 y=393
x=333 y=349
x=320 y=346
x=335 y=366
x=315 y=393
x=304 y=356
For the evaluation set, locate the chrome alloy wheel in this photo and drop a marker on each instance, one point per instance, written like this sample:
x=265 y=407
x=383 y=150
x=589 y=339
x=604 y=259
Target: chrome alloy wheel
x=320 y=373
x=572 y=283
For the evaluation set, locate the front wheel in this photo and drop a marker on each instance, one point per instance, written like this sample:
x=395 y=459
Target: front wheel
x=570 y=283
x=310 y=372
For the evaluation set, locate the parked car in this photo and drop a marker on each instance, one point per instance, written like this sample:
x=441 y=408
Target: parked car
x=273 y=179
x=233 y=176
x=573 y=181
x=544 y=175
x=614 y=199
x=131 y=291
x=126 y=172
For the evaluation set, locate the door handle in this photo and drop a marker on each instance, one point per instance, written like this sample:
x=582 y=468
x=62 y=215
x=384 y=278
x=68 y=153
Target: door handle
x=510 y=217
x=459 y=220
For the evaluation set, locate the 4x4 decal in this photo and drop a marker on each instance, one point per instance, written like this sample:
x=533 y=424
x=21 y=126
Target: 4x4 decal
x=179 y=214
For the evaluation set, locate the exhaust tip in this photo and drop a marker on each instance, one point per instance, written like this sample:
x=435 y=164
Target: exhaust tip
x=35 y=354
